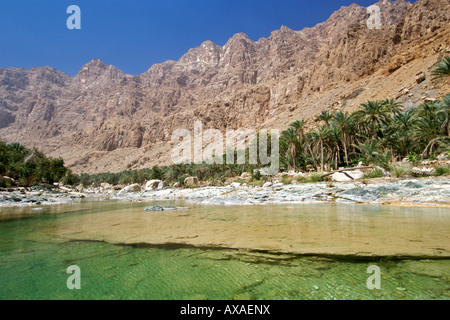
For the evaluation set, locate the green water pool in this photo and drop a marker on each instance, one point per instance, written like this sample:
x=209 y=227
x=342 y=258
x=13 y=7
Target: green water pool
x=36 y=249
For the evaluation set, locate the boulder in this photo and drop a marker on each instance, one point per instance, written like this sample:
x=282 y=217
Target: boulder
x=191 y=181
x=130 y=189
x=443 y=156
x=347 y=176
x=154 y=185
x=105 y=185
x=176 y=185
x=246 y=175
x=267 y=185
x=8 y=180
x=235 y=185
x=421 y=77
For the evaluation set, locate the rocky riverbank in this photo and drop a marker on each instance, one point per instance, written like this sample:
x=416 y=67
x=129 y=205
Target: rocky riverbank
x=418 y=192
x=39 y=195
x=411 y=192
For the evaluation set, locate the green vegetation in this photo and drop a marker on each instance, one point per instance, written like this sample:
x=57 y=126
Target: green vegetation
x=442 y=69
x=215 y=173
x=379 y=133
x=442 y=171
x=374 y=174
x=398 y=171
x=29 y=166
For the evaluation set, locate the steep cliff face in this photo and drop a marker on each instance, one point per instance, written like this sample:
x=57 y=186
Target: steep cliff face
x=105 y=120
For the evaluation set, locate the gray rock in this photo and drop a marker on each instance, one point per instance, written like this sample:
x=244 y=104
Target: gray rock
x=168 y=208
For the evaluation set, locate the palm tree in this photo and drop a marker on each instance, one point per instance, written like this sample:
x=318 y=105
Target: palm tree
x=299 y=128
x=392 y=106
x=404 y=121
x=445 y=111
x=369 y=150
x=290 y=137
x=325 y=116
x=370 y=116
x=344 y=122
x=442 y=69
x=317 y=139
x=427 y=128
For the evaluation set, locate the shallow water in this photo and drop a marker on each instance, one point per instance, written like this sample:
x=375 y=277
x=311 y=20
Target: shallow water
x=208 y=252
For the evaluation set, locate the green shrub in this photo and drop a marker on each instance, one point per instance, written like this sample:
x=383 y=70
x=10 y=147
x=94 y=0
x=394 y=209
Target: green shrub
x=286 y=180
x=315 y=177
x=256 y=175
x=399 y=170
x=414 y=158
x=442 y=171
x=257 y=183
x=374 y=174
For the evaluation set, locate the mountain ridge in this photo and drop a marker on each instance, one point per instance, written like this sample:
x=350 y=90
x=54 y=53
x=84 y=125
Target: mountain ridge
x=105 y=120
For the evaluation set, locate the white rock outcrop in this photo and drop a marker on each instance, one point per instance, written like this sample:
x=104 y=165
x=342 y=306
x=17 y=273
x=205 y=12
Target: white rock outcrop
x=347 y=176
x=130 y=189
x=154 y=185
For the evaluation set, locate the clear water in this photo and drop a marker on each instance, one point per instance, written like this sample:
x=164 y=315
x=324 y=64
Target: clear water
x=109 y=241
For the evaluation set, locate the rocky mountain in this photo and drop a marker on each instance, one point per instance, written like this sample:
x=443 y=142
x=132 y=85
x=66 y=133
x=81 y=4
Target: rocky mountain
x=105 y=120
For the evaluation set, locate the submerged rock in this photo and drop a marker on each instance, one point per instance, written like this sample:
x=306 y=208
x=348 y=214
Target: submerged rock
x=169 y=208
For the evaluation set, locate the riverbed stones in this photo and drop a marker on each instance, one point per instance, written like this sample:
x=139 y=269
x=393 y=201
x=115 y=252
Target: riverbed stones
x=267 y=185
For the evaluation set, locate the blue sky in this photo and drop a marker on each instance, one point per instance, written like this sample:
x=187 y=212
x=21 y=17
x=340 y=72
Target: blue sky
x=135 y=34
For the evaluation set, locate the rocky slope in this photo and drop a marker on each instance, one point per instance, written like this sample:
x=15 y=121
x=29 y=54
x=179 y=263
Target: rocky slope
x=105 y=120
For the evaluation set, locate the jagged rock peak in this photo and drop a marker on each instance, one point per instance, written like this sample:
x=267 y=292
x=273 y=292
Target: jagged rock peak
x=96 y=69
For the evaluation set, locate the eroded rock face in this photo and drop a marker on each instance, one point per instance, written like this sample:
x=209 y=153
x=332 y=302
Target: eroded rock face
x=105 y=120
